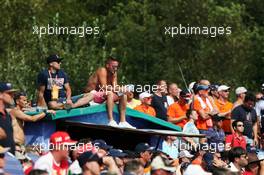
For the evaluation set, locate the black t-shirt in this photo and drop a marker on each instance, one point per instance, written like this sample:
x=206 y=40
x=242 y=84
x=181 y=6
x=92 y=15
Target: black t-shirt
x=6 y=125
x=249 y=118
x=47 y=79
x=159 y=104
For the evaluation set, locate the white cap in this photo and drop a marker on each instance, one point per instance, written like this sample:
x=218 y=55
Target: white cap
x=185 y=153
x=223 y=88
x=144 y=95
x=158 y=163
x=240 y=90
x=195 y=170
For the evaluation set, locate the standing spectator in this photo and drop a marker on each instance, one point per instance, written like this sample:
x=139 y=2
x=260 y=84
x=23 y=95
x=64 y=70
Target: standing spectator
x=6 y=129
x=159 y=100
x=54 y=88
x=19 y=117
x=247 y=114
x=56 y=160
x=204 y=108
x=173 y=93
x=104 y=87
x=237 y=138
x=177 y=111
x=238 y=160
x=224 y=107
x=190 y=128
x=240 y=94
x=145 y=107
x=216 y=135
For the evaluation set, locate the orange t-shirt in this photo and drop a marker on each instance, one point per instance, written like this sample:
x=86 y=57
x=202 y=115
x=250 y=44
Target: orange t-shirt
x=201 y=123
x=225 y=107
x=177 y=110
x=146 y=109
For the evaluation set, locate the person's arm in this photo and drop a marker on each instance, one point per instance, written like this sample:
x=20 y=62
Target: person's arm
x=235 y=115
x=261 y=171
x=68 y=93
x=41 y=100
x=2 y=134
x=112 y=167
x=22 y=116
x=176 y=120
x=255 y=133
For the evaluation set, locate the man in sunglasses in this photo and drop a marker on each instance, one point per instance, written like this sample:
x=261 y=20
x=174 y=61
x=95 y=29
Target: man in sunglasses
x=54 y=88
x=104 y=87
x=145 y=107
x=237 y=138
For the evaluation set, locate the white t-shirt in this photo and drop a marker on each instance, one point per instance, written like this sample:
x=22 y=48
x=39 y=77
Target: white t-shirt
x=75 y=168
x=170 y=100
x=47 y=162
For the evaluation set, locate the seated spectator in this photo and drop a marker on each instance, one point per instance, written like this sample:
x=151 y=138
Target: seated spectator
x=133 y=167
x=159 y=100
x=236 y=139
x=177 y=111
x=238 y=159
x=215 y=135
x=160 y=165
x=38 y=172
x=255 y=165
x=131 y=101
x=18 y=119
x=170 y=146
x=144 y=152
x=118 y=155
x=173 y=93
x=185 y=157
x=56 y=160
x=190 y=128
x=54 y=89
x=145 y=107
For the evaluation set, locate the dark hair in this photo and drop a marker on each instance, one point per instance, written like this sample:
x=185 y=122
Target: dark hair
x=110 y=59
x=236 y=152
x=220 y=171
x=159 y=82
x=189 y=113
x=19 y=94
x=234 y=124
x=250 y=97
x=132 y=166
x=38 y=172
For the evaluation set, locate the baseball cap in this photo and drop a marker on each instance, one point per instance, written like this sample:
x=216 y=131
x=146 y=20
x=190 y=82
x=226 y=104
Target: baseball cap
x=102 y=144
x=185 y=153
x=214 y=87
x=117 y=153
x=7 y=87
x=240 y=90
x=223 y=88
x=217 y=117
x=144 y=95
x=54 y=58
x=142 y=147
x=88 y=157
x=185 y=94
x=202 y=87
x=158 y=163
x=61 y=137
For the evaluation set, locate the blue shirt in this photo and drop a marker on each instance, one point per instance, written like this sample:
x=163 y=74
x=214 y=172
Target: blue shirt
x=190 y=128
x=215 y=137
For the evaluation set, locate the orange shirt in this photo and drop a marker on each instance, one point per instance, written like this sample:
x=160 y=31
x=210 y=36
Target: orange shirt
x=177 y=110
x=146 y=109
x=201 y=123
x=225 y=107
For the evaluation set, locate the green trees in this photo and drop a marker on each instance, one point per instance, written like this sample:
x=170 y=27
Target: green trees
x=134 y=32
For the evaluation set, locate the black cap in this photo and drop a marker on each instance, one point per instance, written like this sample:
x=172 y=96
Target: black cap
x=117 y=153
x=142 y=147
x=217 y=118
x=130 y=154
x=54 y=58
x=6 y=87
x=102 y=144
x=185 y=94
x=88 y=157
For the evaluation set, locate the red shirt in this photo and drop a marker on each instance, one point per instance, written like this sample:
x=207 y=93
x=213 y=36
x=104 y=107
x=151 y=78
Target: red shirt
x=235 y=140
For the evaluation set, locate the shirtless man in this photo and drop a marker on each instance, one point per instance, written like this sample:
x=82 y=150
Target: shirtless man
x=103 y=85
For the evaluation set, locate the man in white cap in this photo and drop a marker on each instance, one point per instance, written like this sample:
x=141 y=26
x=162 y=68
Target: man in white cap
x=145 y=107
x=240 y=94
x=224 y=107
